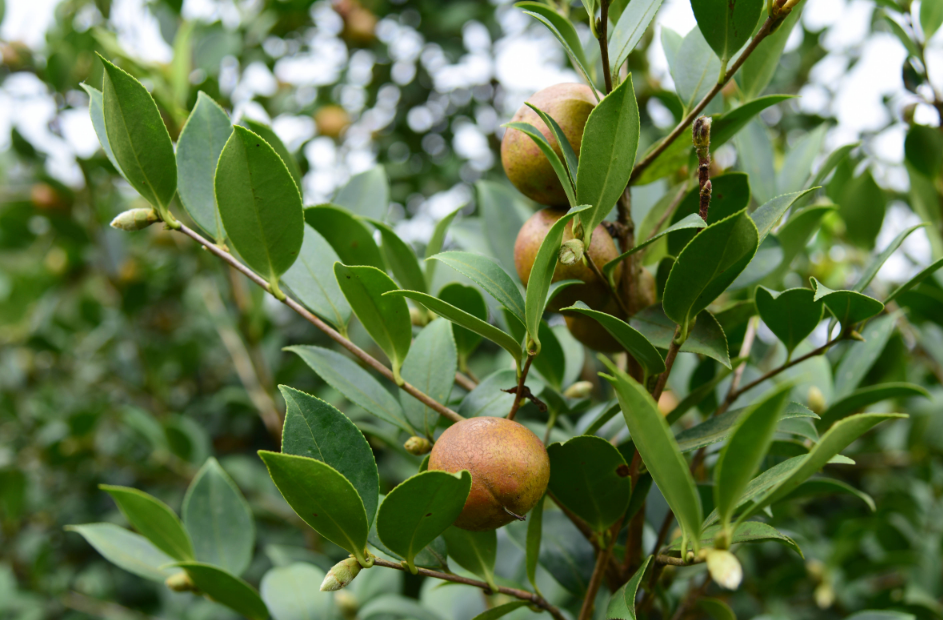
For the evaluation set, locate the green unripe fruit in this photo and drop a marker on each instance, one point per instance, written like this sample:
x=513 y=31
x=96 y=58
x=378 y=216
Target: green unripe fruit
x=524 y=163
x=509 y=466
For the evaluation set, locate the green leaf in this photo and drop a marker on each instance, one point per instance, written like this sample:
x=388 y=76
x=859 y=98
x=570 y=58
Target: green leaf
x=396 y=606
x=749 y=532
x=797 y=164
x=629 y=30
x=489 y=276
x=259 y=204
x=126 y=550
x=745 y=449
x=532 y=547
x=755 y=156
x=563 y=27
x=564 y=552
x=503 y=211
x=835 y=158
x=347 y=235
x=289 y=595
x=139 y=139
x=875 y=264
x=400 y=257
x=153 y=519
x=315 y=429
x=707 y=266
x=96 y=110
x=633 y=340
x=861 y=205
x=323 y=498
x=569 y=156
x=366 y=194
x=551 y=361
x=716 y=608
x=589 y=476
x=465 y=320
x=219 y=520
x=550 y=154
x=610 y=141
x=386 y=318
x=725 y=24
x=798 y=229
x=861 y=356
x=469 y=300
x=474 y=551
x=576 y=57
x=859 y=399
x=312 y=280
x=430 y=366
x=198 y=148
x=265 y=132
x=765 y=481
x=718 y=428
x=488 y=397
x=833 y=442
x=697 y=395
x=690 y=222
x=538 y=285
x=923 y=147
x=729 y=124
x=436 y=241
x=731 y=194
x=419 y=509
x=931 y=18
x=792 y=315
x=766 y=216
x=501 y=610
x=816 y=487
x=849 y=307
x=768 y=258
x=696 y=70
x=659 y=451
x=355 y=383
x=914 y=281
x=706 y=337
x=226 y=589
x=760 y=66
x=882 y=615
x=622 y=601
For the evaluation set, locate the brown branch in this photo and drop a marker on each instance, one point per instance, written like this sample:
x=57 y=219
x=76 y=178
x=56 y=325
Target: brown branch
x=519 y=391
x=599 y=274
x=324 y=327
x=523 y=595
x=702 y=144
x=602 y=562
x=604 y=43
x=647 y=161
x=465 y=381
x=669 y=363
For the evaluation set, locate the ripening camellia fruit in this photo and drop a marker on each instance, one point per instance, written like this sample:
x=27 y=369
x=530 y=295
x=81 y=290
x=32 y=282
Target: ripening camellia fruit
x=509 y=466
x=524 y=163
x=594 y=293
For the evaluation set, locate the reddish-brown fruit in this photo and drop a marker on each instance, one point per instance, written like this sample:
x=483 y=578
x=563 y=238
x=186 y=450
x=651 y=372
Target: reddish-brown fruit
x=524 y=163
x=509 y=466
x=594 y=292
x=331 y=120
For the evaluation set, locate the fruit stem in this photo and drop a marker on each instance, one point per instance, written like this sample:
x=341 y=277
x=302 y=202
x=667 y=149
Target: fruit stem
x=519 y=393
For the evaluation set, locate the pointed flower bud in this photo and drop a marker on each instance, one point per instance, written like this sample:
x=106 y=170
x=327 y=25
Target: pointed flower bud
x=702 y=132
x=580 y=389
x=418 y=445
x=724 y=568
x=340 y=575
x=180 y=582
x=135 y=219
x=571 y=252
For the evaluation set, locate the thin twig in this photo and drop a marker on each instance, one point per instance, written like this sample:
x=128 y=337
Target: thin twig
x=602 y=562
x=324 y=327
x=465 y=381
x=595 y=269
x=604 y=43
x=519 y=394
x=523 y=595
x=745 y=348
x=669 y=362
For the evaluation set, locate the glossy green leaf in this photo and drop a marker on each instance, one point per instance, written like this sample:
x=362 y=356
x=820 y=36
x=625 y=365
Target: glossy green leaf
x=622 y=601
x=153 y=519
x=355 y=383
x=315 y=429
x=708 y=265
x=765 y=481
x=861 y=203
x=419 y=509
x=696 y=70
x=469 y=300
x=633 y=340
x=138 y=138
x=849 y=307
x=96 y=111
x=226 y=589
x=535 y=524
x=198 y=149
x=760 y=66
x=400 y=257
x=323 y=498
x=728 y=124
x=349 y=237
x=748 y=532
x=489 y=276
x=434 y=556
x=659 y=451
x=386 y=318
x=555 y=162
x=219 y=520
x=861 y=356
x=877 y=261
x=745 y=449
x=931 y=18
x=465 y=320
x=828 y=487
x=718 y=428
x=430 y=367
x=610 y=142
x=289 y=595
x=833 y=442
x=914 y=281
x=266 y=133
x=366 y=194
x=563 y=26
x=869 y=395
x=716 y=609
x=312 y=280
x=501 y=610
x=589 y=476
x=126 y=550
x=731 y=194
x=792 y=314
x=629 y=29
x=259 y=204
x=436 y=241
x=474 y=551
x=726 y=24
x=690 y=222
x=766 y=216
x=706 y=337
x=575 y=56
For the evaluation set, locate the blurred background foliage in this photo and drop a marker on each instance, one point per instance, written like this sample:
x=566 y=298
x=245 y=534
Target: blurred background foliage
x=129 y=359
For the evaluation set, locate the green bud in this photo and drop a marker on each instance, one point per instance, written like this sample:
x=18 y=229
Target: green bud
x=571 y=252
x=580 y=389
x=180 y=582
x=418 y=445
x=816 y=400
x=135 y=219
x=346 y=604
x=724 y=568
x=340 y=575
x=702 y=132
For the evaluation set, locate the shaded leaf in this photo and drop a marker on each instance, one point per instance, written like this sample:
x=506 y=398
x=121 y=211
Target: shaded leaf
x=400 y=257
x=849 y=307
x=575 y=57
x=706 y=337
x=550 y=154
x=697 y=69
x=501 y=610
x=96 y=111
x=869 y=395
x=532 y=546
x=629 y=29
x=630 y=338
x=289 y=595
x=749 y=532
x=877 y=261
x=430 y=367
x=347 y=235
x=622 y=601
x=589 y=476
x=490 y=276
x=126 y=550
x=760 y=66
x=226 y=589
x=312 y=280
x=474 y=551
x=469 y=300
x=792 y=314
x=366 y=194
x=153 y=519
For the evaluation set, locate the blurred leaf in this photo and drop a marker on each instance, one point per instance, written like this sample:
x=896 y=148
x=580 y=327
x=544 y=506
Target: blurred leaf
x=436 y=241
x=366 y=194
x=792 y=314
x=474 y=551
x=869 y=395
x=501 y=610
x=421 y=508
x=226 y=589
x=289 y=593
x=219 y=520
x=706 y=337
x=265 y=132
x=259 y=204
x=564 y=552
x=347 y=235
x=816 y=487
x=430 y=367
x=755 y=157
x=312 y=280
x=396 y=606
x=726 y=26
x=622 y=601
x=126 y=550
x=931 y=18
x=400 y=257
x=923 y=146
x=590 y=477
x=796 y=166
x=729 y=124
x=532 y=546
x=488 y=275
x=386 y=318
x=798 y=229
x=182 y=65
x=768 y=258
x=692 y=221
x=489 y=397
x=153 y=519
x=768 y=215
x=716 y=608
x=563 y=26
x=861 y=203
x=316 y=430
x=696 y=69
x=629 y=29
x=575 y=56
x=502 y=209
x=696 y=396
x=633 y=340
x=323 y=498
x=468 y=299
x=749 y=532
x=914 y=281
x=717 y=428
x=876 y=262
x=849 y=307
x=835 y=158
x=760 y=66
